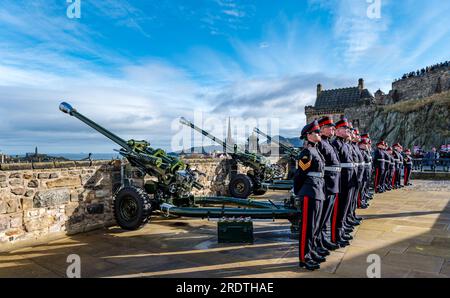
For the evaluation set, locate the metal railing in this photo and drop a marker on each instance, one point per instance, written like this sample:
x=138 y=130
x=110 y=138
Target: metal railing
x=431 y=164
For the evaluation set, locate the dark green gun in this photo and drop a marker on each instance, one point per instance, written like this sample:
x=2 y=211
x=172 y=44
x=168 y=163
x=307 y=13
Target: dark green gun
x=290 y=152
x=175 y=179
x=243 y=185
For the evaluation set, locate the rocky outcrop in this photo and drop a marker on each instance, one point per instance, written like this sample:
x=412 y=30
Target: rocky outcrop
x=424 y=122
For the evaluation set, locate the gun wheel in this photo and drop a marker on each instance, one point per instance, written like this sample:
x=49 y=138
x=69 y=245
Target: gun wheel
x=132 y=208
x=241 y=186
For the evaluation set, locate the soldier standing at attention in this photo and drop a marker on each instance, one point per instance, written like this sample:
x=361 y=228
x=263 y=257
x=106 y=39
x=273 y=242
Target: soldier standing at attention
x=309 y=186
x=399 y=164
x=347 y=183
x=353 y=219
x=387 y=164
x=368 y=166
x=332 y=180
x=391 y=171
x=362 y=199
x=408 y=164
x=379 y=162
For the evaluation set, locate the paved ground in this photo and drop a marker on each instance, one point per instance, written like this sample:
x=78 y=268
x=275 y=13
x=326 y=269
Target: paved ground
x=408 y=228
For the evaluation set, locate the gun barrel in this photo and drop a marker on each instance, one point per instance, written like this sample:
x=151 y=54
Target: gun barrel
x=68 y=109
x=205 y=133
x=269 y=138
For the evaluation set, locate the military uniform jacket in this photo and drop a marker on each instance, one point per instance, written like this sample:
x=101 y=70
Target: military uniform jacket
x=407 y=161
x=379 y=159
x=348 y=177
x=391 y=161
x=331 y=160
x=399 y=159
x=310 y=162
x=367 y=159
x=358 y=158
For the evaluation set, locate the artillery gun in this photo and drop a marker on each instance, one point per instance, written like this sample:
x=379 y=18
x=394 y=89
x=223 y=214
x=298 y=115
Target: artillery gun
x=291 y=154
x=261 y=170
x=171 y=193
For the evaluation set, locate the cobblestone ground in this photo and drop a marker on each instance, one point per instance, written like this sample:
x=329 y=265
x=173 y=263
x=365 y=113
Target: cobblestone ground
x=409 y=229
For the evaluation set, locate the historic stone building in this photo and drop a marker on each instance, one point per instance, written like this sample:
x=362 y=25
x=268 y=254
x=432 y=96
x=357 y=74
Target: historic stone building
x=334 y=102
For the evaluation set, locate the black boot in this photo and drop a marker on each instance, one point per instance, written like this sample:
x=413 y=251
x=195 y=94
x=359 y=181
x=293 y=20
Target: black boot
x=347 y=237
x=342 y=243
x=330 y=245
x=322 y=251
x=309 y=265
x=317 y=258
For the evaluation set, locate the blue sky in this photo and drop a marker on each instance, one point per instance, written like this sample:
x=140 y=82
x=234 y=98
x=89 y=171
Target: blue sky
x=135 y=66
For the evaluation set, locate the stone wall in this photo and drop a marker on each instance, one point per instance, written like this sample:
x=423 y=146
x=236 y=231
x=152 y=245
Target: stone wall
x=313 y=113
x=361 y=117
x=52 y=198
x=39 y=200
x=422 y=86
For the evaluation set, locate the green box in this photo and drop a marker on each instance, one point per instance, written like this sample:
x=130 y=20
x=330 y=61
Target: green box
x=235 y=231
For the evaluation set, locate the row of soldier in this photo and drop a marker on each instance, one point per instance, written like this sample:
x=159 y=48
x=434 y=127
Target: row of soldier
x=333 y=178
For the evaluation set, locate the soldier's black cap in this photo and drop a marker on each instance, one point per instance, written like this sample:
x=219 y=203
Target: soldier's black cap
x=309 y=128
x=326 y=121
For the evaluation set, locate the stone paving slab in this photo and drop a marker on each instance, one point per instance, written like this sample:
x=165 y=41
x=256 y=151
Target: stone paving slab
x=407 y=228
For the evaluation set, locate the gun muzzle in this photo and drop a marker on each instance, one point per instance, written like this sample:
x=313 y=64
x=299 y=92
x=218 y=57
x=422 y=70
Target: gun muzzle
x=66 y=108
x=184 y=121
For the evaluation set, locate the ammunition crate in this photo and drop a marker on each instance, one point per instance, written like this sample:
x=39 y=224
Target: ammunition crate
x=234 y=231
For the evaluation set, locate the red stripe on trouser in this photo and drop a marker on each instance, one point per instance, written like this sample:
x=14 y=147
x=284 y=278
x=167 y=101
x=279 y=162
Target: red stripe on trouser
x=359 y=199
x=393 y=177
x=333 y=221
x=376 y=179
x=406 y=172
x=304 y=227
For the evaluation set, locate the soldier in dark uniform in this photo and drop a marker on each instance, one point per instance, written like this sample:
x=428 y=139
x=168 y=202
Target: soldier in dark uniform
x=387 y=164
x=332 y=179
x=309 y=186
x=379 y=163
x=363 y=197
x=399 y=164
x=352 y=219
x=347 y=184
x=407 y=164
x=368 y=167
x=391 y=171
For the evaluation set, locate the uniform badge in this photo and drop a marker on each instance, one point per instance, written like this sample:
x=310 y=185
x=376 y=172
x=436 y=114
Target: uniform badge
x=304 y=163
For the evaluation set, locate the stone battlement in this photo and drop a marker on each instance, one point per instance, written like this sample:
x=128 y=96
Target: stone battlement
x=38 y=200
x=422 y=84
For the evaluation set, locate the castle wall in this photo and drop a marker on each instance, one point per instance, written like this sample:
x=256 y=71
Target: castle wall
x=312 y=113
x=361 y=117
x=422 y=86
x=40 y=201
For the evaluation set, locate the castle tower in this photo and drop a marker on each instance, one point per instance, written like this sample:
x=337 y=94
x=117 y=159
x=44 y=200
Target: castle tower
x=319 y=89
x=379 y=97
x=361 y=84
